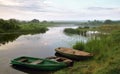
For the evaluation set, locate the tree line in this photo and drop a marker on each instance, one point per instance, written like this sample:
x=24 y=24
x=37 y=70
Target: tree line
x=8 y=25
x=14 y=25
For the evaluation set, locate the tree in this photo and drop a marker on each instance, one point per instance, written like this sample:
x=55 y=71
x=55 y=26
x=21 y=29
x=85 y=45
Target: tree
x=14 y=23
x=35 y=21
x=108 y=22
x=11 y=24
x=3 y=24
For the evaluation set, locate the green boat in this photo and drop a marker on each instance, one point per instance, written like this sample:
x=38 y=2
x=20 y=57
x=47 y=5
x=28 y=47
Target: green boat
x=38 y=63
x=73 y=53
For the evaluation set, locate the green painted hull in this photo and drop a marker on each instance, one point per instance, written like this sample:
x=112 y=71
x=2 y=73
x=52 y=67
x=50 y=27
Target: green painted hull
x=45 y=64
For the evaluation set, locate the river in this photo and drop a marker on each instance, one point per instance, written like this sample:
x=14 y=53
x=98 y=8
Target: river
x=37 y=45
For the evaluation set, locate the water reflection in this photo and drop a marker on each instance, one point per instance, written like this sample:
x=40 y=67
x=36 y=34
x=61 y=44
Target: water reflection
x=87 y=34
x=5 y=38
x=30 y=70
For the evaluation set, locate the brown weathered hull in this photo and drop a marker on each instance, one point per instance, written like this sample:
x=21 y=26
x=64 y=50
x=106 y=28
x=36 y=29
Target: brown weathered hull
x=73 y=54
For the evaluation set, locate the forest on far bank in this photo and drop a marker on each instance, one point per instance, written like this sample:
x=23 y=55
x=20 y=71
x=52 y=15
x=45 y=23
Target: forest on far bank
x=14 y=25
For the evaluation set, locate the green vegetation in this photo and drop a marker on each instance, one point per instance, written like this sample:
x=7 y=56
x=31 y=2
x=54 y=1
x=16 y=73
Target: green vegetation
x=110 y=22
x=106 y=55
x=92 y=23
x=16 y=26
x=79 y=46
x=78 y=30
x=32 y=28
x=70 y=30
x=106 y=27
x=8 y=25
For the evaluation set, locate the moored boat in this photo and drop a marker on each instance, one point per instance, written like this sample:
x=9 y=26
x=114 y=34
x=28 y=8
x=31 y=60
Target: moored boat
x=69 y=62
x=73 y=53
x=38 y=63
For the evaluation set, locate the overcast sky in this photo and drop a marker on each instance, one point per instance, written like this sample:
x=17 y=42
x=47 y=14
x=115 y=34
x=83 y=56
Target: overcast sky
x=60 y=9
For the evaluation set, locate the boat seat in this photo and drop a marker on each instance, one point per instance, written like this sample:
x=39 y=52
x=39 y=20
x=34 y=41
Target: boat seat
x=22 y=60
x=68 y=62
x=57 y=59
x=36 y=62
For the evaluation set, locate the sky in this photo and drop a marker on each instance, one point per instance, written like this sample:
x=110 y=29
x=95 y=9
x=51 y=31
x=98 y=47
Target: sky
x=68 y=10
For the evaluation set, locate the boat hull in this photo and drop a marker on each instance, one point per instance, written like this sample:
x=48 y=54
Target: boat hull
x=48 y=65
x=72 y=56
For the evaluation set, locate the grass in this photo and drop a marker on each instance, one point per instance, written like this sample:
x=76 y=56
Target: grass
x=14 y=26
x=79 y=46
x=106 y=52
x=108 y=28
x=75 y=31
x=105 y=28
x=33 y=28
x=71 y=31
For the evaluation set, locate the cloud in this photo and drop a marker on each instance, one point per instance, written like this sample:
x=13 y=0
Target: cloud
x=54 y=9
x=25 y=5
x=9 y=3
x=104 y=10
x=100 y=8
x=35 y=6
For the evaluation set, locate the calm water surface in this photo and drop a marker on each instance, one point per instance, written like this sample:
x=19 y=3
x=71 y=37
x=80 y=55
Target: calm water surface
x=37 y=45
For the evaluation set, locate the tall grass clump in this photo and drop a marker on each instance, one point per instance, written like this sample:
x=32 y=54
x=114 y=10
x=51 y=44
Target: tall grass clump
x=79 y=46
x=78 y=30
x=71 y=31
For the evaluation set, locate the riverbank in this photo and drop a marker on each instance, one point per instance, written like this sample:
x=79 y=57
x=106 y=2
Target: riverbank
x=106 y=54
x=33 y=28
x=103 y=29
x=27 y=29
x=16 y=26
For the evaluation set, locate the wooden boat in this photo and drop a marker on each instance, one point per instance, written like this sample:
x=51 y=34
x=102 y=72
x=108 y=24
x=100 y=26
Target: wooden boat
x=69 y=62
x=73 y=53
x=38 y=63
